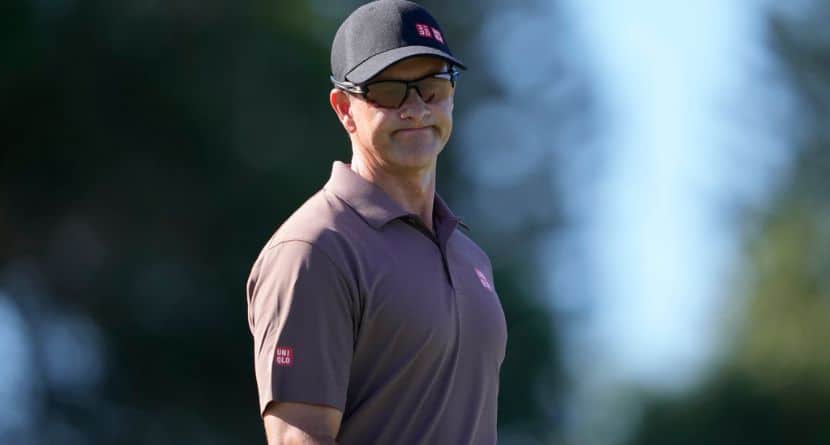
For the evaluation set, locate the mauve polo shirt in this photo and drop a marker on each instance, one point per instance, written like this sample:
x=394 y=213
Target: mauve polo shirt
x=353 y=303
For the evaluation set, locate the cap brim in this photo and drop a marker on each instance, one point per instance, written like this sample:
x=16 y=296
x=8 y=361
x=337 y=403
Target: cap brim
x=377 y=63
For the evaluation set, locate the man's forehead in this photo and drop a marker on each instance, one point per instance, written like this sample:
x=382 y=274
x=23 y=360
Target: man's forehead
x=413 y=67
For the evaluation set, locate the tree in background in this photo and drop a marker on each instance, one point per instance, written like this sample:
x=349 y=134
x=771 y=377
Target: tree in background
x=774 y=387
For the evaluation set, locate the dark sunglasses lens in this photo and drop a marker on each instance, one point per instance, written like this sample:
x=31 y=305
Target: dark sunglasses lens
x=434 y=89
x=391 y=94
x=386 y=94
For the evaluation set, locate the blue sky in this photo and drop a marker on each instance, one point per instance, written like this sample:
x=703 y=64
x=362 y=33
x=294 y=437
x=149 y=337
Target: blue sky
x=666 y=72
x=673 y=79
x=689 y=129
x=692 y=128
x=669 y=76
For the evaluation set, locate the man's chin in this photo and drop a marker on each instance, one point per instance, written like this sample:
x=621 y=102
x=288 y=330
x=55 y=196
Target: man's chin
x=418 y=157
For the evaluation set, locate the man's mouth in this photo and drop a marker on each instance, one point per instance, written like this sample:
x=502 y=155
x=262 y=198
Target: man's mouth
x=414 y=130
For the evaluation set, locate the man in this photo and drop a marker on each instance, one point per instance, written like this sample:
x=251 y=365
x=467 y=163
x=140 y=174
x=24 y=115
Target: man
x=375 y=319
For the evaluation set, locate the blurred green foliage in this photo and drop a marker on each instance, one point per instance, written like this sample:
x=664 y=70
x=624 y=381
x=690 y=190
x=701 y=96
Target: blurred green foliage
x=150 y=149
x=774 y=384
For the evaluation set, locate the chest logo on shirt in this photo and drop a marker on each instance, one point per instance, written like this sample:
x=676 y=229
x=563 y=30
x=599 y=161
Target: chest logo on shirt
x=284 y=356
x=483 y=278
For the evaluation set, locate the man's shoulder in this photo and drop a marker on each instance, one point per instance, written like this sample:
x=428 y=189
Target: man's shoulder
x=319 y=221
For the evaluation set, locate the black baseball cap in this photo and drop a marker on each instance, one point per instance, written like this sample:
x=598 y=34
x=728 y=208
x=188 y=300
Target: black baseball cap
x=384 y=32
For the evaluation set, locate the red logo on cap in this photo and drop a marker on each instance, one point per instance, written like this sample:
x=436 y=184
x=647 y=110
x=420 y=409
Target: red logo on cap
x=284 y=356
x=423 y=30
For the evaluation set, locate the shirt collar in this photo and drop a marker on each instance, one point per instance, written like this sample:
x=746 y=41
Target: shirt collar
x=372 y=203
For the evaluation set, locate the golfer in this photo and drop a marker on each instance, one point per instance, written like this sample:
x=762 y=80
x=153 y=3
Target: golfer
x=374 y=316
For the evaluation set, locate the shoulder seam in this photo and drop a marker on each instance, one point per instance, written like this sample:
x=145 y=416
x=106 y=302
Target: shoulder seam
x=313 y=247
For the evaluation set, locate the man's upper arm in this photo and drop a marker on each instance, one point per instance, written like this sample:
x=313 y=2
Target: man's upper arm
x=301 y=314
x=301 y=423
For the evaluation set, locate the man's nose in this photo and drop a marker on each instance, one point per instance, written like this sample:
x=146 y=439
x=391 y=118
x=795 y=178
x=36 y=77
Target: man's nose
x=414 y=105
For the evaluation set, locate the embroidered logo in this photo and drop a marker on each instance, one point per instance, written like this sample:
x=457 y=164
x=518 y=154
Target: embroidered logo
x=429 y=32
x=423 y=30
x=483 y=278
x=284 y=356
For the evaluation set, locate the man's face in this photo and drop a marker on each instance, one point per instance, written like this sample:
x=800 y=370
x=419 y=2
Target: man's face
x=410 y=137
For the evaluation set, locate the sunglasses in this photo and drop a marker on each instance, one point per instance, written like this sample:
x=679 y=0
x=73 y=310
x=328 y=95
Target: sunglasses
x=393 y=93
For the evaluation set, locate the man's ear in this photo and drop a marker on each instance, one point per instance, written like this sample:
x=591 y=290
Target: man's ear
x=342 y=105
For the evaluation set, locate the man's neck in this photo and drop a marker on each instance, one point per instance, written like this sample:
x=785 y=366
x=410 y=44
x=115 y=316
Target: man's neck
x=414 y=191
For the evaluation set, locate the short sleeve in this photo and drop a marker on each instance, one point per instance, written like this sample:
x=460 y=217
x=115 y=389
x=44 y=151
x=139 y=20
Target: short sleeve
x=300 y=313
